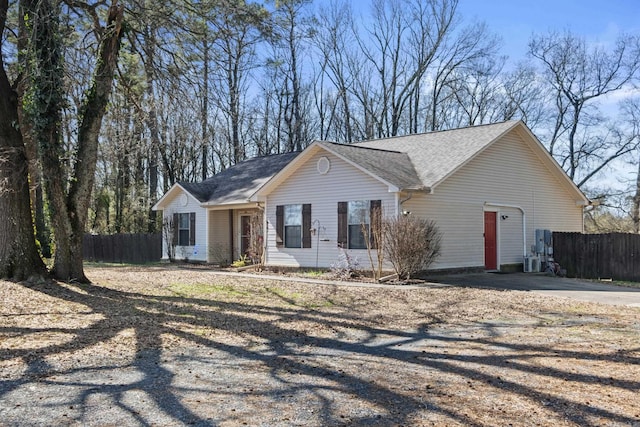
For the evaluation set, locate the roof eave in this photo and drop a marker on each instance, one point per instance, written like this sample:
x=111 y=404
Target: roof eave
x=235 y=205
x=417 y=189
x=175 y=187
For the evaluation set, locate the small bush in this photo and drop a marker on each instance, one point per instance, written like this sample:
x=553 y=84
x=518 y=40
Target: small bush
x=346 y=267
x=243 y=261
x=411 y=244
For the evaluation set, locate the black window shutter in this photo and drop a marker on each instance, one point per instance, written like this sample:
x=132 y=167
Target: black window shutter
x=306 y=226
x=375 y=216
x=192 y=229
x=342 y=224
x=176 y=226
x=279 y=226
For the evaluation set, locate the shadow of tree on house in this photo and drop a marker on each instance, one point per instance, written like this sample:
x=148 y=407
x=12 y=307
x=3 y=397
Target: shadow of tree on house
x=201 y=361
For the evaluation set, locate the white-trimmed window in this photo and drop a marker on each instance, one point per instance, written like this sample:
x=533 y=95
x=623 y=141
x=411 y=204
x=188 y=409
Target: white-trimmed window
x=293 y=226
x=354 y=223
x=358 y=223
x=184 y=229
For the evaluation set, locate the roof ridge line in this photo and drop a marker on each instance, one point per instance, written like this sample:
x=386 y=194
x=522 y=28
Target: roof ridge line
x=352 y=144
x=436 y=131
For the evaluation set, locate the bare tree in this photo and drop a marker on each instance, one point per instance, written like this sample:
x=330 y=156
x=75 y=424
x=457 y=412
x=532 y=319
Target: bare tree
x=268 y=108
x=335 y=45
x=524 y=98
x=458 y=53
x=168 y=233
x=631 y=127
x=237 y=31
x=579 y=75
x=477 y=91
x=375 y=231
x=416 y=49
x=292 y=25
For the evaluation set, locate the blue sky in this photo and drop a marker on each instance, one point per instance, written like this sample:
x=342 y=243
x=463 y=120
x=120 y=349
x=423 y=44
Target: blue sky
x=600 y=21
x=516 y=20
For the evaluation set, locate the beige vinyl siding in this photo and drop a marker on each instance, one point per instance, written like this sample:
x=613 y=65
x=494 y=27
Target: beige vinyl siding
x=199 y=251
x=219 y=237
x=507 y=173
x=343 y=182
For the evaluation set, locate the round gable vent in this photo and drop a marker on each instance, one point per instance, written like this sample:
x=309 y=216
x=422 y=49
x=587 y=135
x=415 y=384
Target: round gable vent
x=323 y=165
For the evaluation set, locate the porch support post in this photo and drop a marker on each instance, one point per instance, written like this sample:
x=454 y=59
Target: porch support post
x=231 y=233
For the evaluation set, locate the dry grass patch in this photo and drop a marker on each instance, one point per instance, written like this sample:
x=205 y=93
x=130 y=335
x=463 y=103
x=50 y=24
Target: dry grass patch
x=166 y=346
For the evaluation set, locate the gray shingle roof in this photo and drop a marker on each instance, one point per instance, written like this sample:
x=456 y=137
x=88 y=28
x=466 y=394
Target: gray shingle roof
x=393 y=167
x=237 y=183
x=413 y=162
x=435 y=155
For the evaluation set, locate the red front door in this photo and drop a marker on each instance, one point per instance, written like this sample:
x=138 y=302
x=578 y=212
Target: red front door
x=490 y=241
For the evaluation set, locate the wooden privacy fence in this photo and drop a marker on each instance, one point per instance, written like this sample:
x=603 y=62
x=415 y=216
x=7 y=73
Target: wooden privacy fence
x=595 y=256
x=122 y=248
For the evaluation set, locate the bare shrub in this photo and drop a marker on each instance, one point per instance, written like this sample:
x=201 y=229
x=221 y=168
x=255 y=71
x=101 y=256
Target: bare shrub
x=347 y=266
x=168 y=231
x=256 y=239
x=411 y=244
x=374 y=239
x=220 y=253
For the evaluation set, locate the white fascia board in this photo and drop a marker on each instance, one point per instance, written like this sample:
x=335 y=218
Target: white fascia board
x=231 y=206
x=312 y=149
x=175 y=188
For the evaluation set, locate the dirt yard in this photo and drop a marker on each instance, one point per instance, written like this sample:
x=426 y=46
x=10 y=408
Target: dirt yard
x=170 y=346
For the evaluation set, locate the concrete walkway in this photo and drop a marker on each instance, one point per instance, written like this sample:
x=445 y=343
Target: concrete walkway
x=582 y=290
x=311 y=280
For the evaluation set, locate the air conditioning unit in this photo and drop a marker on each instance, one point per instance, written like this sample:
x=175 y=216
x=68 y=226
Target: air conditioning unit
x=531 y=264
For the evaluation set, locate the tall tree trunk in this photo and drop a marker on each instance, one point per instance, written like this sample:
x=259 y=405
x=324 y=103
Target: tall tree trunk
x=295 y=85
x=70 y=209
x=205 y=107
x=43 y=233
x=19 y=258
x=636 y=204
x=149 y=49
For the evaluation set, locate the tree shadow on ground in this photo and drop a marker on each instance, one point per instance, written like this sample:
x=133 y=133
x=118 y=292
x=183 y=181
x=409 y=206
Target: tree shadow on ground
x=205 y=362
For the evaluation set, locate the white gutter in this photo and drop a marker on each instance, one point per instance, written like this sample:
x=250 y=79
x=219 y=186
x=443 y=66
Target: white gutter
x=524 y=223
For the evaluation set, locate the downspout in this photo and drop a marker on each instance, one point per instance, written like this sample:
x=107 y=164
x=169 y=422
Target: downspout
x=588 y=208
x=401 y=202
x=524 y=222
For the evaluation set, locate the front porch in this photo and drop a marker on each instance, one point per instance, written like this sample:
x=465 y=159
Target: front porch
x=233 y=234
